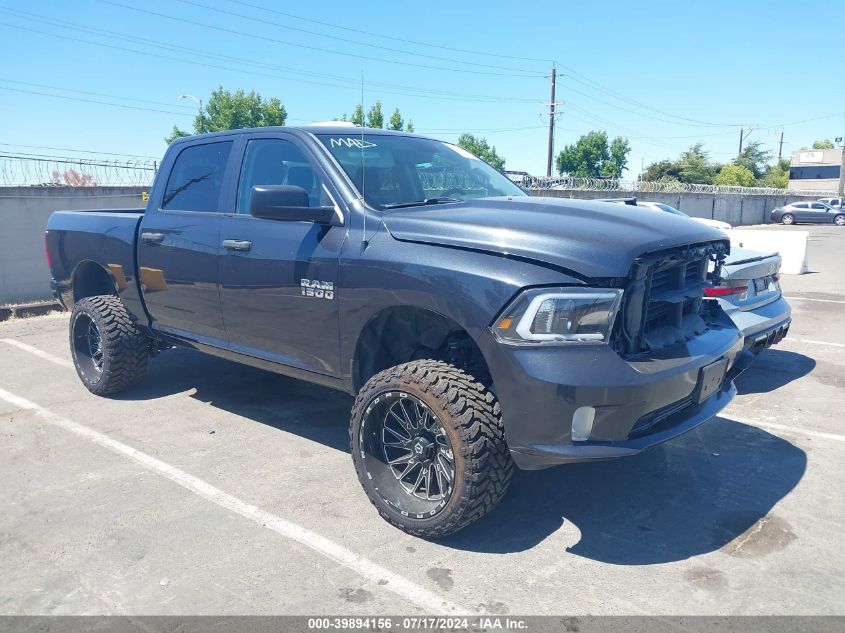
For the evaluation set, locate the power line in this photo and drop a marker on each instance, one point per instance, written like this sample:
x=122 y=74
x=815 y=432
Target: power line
x=347 y=40
x=117 y=105
x=643 y=114
x=594 y=85
x=254 y=36
x=79 y=151
x=420 y=93
x=404 y=40
x=95 y=94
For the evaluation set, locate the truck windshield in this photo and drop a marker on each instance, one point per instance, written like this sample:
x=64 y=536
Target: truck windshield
x=404 y=171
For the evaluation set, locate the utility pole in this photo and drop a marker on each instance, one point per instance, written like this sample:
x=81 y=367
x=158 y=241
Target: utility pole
x=742 y=136
x=780 y=147
x=842 y=174
x=551 y=125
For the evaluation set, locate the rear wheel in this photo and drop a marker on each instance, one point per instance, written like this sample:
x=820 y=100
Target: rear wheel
x=429 y=449
x=788 y=218
x=109 y=352
x=839 y=220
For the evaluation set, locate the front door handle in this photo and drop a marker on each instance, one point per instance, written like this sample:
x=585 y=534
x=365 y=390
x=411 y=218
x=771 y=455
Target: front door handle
x=237 y=245
x=152 y=237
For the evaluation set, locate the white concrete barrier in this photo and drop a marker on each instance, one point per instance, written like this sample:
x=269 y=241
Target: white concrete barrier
x=791 y=245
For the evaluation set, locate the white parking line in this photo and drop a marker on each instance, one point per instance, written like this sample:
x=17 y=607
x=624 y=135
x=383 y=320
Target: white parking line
x=809 y=299
x=37 y=352
x=811 y=342
x=380 y=576
x=795 y=430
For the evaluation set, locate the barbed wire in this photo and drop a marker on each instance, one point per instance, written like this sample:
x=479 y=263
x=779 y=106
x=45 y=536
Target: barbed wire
x=54 y=171
x=667 y=186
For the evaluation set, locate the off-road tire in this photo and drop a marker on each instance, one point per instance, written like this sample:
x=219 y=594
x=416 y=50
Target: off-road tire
x=470 y=415
x=124 y=348
x=788 y=222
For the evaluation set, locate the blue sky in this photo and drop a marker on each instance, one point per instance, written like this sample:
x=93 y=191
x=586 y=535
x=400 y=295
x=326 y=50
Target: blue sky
x=662 y=74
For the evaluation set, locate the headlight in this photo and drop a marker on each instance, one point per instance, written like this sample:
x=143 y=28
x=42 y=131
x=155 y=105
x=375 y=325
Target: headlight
x=554 y=316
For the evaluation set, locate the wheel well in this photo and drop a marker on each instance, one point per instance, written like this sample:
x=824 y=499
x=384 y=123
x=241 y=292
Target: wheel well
x=91 y=279
x=404 y=333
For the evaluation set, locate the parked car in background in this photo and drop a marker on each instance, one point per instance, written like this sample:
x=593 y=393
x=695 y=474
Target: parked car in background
x=836 y=203
x=809 y=212
x=749 y=292
x=665 y=208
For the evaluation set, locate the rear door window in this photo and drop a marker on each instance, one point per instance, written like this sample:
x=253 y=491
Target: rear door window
x=196 y=179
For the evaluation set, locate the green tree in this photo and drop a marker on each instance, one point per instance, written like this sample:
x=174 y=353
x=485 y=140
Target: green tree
x=692 y=166
x=227 y=110
x=777 y=175
x=825 y=144
x=619 y=150
x=375 y=117
x=396 y=123
x=481 y=148
x=592 y=157
x=754 y=158
x=357 y=116
x=735 y=175
x=661 y=171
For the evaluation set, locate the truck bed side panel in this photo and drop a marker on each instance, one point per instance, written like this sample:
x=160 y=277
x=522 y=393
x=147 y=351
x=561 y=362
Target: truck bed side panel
x=106 y=238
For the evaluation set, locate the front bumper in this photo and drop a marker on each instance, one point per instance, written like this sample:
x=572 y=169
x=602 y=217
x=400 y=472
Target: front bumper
x=638 y=402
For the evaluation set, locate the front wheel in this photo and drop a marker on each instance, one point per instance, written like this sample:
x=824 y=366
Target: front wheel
x=788 y=218
x=428 y=445
x=109 y=352
x=839 y=220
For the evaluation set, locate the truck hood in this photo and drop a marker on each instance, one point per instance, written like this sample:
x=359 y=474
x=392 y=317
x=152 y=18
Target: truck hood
x=590 y=239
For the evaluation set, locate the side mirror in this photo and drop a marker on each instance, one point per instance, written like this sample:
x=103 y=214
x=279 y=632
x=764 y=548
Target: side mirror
x=286 y=202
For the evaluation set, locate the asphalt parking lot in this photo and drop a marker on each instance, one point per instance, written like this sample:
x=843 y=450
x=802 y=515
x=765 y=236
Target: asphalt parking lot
x=214 y=488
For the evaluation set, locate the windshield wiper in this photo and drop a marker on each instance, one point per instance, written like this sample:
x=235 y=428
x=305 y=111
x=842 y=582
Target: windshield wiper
x=418 y=203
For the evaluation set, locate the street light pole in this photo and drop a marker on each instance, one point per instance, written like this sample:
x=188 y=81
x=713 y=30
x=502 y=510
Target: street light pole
x=198 y=102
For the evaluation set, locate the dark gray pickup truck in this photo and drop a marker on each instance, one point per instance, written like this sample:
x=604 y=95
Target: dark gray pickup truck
x=479 y=327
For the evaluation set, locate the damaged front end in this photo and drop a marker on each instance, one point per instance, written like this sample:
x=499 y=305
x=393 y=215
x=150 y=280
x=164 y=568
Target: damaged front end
x=663 y=302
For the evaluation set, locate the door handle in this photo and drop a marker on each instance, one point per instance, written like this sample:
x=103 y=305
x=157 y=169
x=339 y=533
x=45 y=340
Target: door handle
x=237 y=245
x=152 y=237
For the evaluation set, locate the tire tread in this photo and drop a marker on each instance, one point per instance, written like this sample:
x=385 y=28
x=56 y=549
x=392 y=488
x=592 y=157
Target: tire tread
x=488 y=466
x=126 y=348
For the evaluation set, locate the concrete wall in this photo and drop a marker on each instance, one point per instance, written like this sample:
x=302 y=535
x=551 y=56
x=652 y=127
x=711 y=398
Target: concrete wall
x=736 y=209
x=23 y=218
x=24 y=212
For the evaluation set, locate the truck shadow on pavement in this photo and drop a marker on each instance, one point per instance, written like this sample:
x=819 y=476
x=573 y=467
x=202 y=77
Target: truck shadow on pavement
x=688 y=497
x=772 y=369
x=691 y=496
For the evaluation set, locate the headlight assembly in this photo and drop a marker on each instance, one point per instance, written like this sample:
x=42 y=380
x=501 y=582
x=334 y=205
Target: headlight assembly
x=555 y=316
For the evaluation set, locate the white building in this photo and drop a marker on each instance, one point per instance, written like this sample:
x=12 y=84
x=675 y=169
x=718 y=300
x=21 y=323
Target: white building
x=816 y=169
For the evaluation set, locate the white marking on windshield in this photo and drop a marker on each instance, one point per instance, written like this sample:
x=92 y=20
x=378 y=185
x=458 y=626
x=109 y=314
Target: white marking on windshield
x=351 y=142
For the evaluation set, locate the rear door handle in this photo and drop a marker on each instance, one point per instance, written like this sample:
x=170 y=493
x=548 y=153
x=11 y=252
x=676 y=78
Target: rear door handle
x=152 y=237
x=237 y=245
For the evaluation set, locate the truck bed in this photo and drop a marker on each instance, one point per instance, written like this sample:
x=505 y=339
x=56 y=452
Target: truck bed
x=105 y=238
